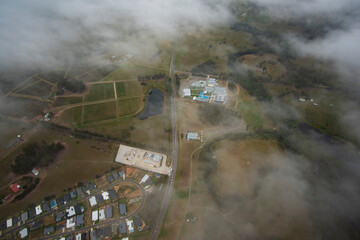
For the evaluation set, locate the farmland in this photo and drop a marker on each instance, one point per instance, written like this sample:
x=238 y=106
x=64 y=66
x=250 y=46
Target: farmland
x=100 y=92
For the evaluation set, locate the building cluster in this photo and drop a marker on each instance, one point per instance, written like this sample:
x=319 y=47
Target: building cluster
x=207 y=91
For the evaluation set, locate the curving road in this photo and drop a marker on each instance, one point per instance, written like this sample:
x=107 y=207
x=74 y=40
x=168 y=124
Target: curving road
x=174 y=154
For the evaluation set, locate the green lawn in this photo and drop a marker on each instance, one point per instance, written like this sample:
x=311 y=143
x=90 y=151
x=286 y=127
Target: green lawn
x=100 y=92
x=98 y=112
x=61 y=101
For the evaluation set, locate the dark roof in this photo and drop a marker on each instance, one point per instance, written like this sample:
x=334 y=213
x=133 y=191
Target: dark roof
x=73 y=194
x=70 y=237
x=137 y=221
x=36 y=225
x=99 y=232
x=31 y=212
x=48 y=230
x=123 y=228
x=148 y=182
x=60 y=201
x=93 y=235
x=115 y=175
x=79 y=220
x=107 y=231
x=16 y=219
x=108 y=212
x=112 y=194
x=66 y=197
x=24 y=217
x=79 y=209
x=79 y=192
x=92 y=186
x=60 y=227
x=99 y=198
x=122 y=209
x=46 y=206
x=59 y=216
x=85 y=188
x=110 y=178
x=2 y=226
x=83 y=236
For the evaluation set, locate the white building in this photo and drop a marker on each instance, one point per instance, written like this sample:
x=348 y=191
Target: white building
x=130 y=225
x=9 y=223
x=105 y=195
x=70 y=222
x=102 y=214
x=38 y=210
x=92 y=201
x=95 y=215
x=145 y=178
x=23 y=233
x=78 y=236
x=187 y=92
x=70 y=211
x=192 y=136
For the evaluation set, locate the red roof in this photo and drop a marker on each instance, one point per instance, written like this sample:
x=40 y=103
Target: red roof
x=14 y=187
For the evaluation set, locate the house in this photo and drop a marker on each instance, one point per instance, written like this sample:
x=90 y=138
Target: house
x=59 y=216
x=123 y=228
x=83 y=236
x=79 y=192
x=122 y=175
x=95 y=215
x=93 y=235
x=23 y=233
x=130 y=224
x=192 y=136
x=16 y=220
x=115 y=175
x=38 y=210
x=92 y=201
x=145 y=178
x=78 y=236
x=70 y=237
x=66 y=197
x=187 y=92
x=105 y=195
x=99 y=198
x=46 y=206
x=24 y=216
x=15 y=187
x=2 y=226
x=36 y=225
x=70 y=222
x=48 y=230
x=92 y=186
x=110 y=178
x=9 y=223
x=107 y=232
x=60 y=201
x=122 y=209
x=138 y=222
x=53 y=204
x=80 y=220
x=108 y=212
x=101 y=214
x=31 y=213
x=70 y=211
x=72 y=194
x=85 y=189
x=79 y=209
x=99 y=232
x=35 y=171
x=112 y=194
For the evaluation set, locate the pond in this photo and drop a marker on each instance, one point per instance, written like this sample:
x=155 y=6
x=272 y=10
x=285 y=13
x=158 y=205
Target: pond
x=154 y=104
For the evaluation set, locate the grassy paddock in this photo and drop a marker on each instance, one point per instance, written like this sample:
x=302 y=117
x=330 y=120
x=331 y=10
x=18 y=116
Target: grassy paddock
x=98 y=112
x=61 y=101
x=129 y=106
x=100 y=92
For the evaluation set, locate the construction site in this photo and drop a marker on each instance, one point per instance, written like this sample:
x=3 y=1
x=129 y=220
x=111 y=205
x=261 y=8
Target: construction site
x=143 y=159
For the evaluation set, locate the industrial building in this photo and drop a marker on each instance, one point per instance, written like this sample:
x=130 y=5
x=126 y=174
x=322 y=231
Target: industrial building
x=187 y=92
x=192 y=136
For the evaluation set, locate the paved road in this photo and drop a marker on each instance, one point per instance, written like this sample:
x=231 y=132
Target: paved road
x=174 y=157
x=71 y=203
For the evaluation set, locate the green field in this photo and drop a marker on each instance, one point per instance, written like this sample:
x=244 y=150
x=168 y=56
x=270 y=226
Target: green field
x=98 y=112
x=120 y=89
x=130 y=70
x=72 y=116
x=129 y=106
x=100 y=92
x=61 y=101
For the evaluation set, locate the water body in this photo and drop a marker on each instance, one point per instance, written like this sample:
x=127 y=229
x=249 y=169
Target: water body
x=154 y=104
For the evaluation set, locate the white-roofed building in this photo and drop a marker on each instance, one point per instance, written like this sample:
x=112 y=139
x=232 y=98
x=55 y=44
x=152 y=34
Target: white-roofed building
x=187 y=92
x=130 y=224
x=101 y=214
x=38 y=210
x=70 y=222
x=92 y=201
x=192 y=136
x=78 y=236
x=145 y=178
x=212 y=82
x=70 y=211
x=95 y=215
x=23 y=233
x=9 y=223
x=105 y=195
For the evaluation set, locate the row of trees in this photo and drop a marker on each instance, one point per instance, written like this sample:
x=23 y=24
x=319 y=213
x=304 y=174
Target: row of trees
x=155 y=76
x=75 y=86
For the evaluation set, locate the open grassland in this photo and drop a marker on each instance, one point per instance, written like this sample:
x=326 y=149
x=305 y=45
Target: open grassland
x=72 y=116
x=128 y=89
x=61 y=101
x=250 y=110
x=129 y=106
x=100 y=111
x=264 y=66
x=100 y=91
x=131 y=70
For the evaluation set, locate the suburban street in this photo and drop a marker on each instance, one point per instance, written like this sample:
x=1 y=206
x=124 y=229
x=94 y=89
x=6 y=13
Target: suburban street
x=174 y=157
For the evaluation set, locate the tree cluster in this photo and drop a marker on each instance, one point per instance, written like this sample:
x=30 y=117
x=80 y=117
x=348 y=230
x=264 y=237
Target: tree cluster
x=155 y=76
x=75 y=86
